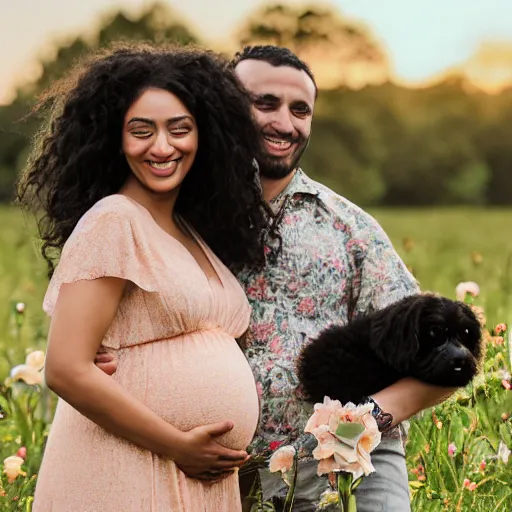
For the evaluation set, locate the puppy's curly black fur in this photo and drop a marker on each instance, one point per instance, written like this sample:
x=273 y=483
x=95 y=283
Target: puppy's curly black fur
x=430 y=338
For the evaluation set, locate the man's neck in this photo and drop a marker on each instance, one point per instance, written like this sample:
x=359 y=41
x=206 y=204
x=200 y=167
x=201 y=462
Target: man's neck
x=272 y=188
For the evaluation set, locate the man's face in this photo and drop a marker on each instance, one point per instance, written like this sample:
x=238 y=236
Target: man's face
x=283 y=99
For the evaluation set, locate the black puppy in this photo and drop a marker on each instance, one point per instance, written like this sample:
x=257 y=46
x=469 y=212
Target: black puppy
x=430 y=338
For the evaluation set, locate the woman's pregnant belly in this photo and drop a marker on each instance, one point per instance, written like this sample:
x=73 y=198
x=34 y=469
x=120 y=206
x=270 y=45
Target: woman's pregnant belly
x=193 y=380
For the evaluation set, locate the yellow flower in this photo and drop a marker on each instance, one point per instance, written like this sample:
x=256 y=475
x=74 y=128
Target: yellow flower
x=30 y=372
x=328 y=498
x=12 y=468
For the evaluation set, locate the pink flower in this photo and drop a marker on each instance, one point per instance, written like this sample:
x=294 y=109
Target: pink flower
x=498 y=340
x=483 y=465
x=506 y=384
x=469 y=485
x=306 y=306
x=468 y=287
x=337 y=451
x=22 y=452
x=452 y=450
x=282 y=460
x=500 y=328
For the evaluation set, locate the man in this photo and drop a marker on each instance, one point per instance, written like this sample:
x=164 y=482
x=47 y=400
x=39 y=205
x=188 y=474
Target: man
x=335 y=262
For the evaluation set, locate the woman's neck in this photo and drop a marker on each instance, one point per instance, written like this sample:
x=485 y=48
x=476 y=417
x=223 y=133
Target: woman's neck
x=159 y=205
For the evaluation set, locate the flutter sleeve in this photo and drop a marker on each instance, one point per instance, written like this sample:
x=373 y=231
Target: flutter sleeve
x=107 y=241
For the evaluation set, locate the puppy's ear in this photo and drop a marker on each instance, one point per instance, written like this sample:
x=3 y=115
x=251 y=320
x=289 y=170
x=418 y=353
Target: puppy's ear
x=394 y=332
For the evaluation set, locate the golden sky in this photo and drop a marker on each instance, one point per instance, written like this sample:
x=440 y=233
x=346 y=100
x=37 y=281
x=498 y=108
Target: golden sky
x=423 y=38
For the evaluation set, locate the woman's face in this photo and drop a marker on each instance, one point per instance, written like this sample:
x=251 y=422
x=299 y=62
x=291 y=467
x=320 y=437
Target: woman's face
x=160 y=140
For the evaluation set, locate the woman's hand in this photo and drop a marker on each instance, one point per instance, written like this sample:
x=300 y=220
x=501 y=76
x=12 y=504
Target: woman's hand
x=201 y=456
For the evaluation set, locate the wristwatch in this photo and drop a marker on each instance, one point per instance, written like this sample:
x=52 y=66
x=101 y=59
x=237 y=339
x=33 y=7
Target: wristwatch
x=384 y=419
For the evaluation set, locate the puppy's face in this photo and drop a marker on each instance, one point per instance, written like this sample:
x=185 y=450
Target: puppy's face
x=449 y=346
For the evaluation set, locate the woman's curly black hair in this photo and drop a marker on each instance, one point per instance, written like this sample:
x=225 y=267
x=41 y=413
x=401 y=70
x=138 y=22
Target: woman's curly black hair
x=76 y=160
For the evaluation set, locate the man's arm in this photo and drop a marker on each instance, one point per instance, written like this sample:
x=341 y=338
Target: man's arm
x=408 y=397
x=385 y=279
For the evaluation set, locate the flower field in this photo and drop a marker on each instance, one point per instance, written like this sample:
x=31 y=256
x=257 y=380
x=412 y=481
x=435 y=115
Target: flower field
x=458 y=453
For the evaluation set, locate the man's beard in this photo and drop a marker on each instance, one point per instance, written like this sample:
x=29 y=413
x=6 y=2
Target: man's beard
x=274 y=168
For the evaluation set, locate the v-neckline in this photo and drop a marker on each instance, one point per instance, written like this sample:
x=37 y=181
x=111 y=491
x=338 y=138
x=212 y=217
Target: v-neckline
x=217 y=279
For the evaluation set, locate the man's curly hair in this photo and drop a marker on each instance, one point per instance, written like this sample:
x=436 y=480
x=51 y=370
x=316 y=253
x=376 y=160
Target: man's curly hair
x=77 y=160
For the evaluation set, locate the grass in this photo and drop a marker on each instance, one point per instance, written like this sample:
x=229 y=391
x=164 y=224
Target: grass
x=442 y=248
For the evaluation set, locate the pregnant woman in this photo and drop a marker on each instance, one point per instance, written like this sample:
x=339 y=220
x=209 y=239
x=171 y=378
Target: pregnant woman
x=145 y=187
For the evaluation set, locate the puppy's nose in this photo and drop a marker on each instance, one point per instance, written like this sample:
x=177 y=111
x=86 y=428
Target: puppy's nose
x=458 y=364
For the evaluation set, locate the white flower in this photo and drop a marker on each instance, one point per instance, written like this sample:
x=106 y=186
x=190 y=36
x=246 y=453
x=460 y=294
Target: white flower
x=467 y=287
x=503 y=452
x=20 y=307
x=30 y=372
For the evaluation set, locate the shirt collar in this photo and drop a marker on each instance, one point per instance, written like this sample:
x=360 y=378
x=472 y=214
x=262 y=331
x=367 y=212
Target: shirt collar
x=300 y=184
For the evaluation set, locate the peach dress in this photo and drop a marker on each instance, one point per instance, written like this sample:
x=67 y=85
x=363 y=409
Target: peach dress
x=174 y=334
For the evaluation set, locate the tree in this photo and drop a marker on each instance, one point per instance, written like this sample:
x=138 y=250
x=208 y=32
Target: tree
x=157 y=23
x=339 y=50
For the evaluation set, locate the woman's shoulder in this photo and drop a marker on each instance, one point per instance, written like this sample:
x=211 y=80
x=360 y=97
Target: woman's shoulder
x=108 y=219
x=112 y=205
x=111 y=211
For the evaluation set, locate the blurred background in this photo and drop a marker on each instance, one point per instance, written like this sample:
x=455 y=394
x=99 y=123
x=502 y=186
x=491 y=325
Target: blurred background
x=413 y=93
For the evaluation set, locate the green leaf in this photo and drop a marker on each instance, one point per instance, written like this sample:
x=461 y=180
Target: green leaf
x=349 y=430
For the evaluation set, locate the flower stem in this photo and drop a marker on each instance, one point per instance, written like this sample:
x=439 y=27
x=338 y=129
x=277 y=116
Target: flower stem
x=290 y=495
x=347 y=501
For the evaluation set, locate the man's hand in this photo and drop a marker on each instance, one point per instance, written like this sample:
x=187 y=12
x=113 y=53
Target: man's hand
x=106 y=362
x=202 y=457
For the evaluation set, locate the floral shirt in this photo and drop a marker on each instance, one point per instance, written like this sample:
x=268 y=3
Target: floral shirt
x=336 y=262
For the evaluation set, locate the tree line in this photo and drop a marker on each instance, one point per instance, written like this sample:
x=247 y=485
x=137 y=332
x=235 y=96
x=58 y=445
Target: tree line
x=377 y=144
